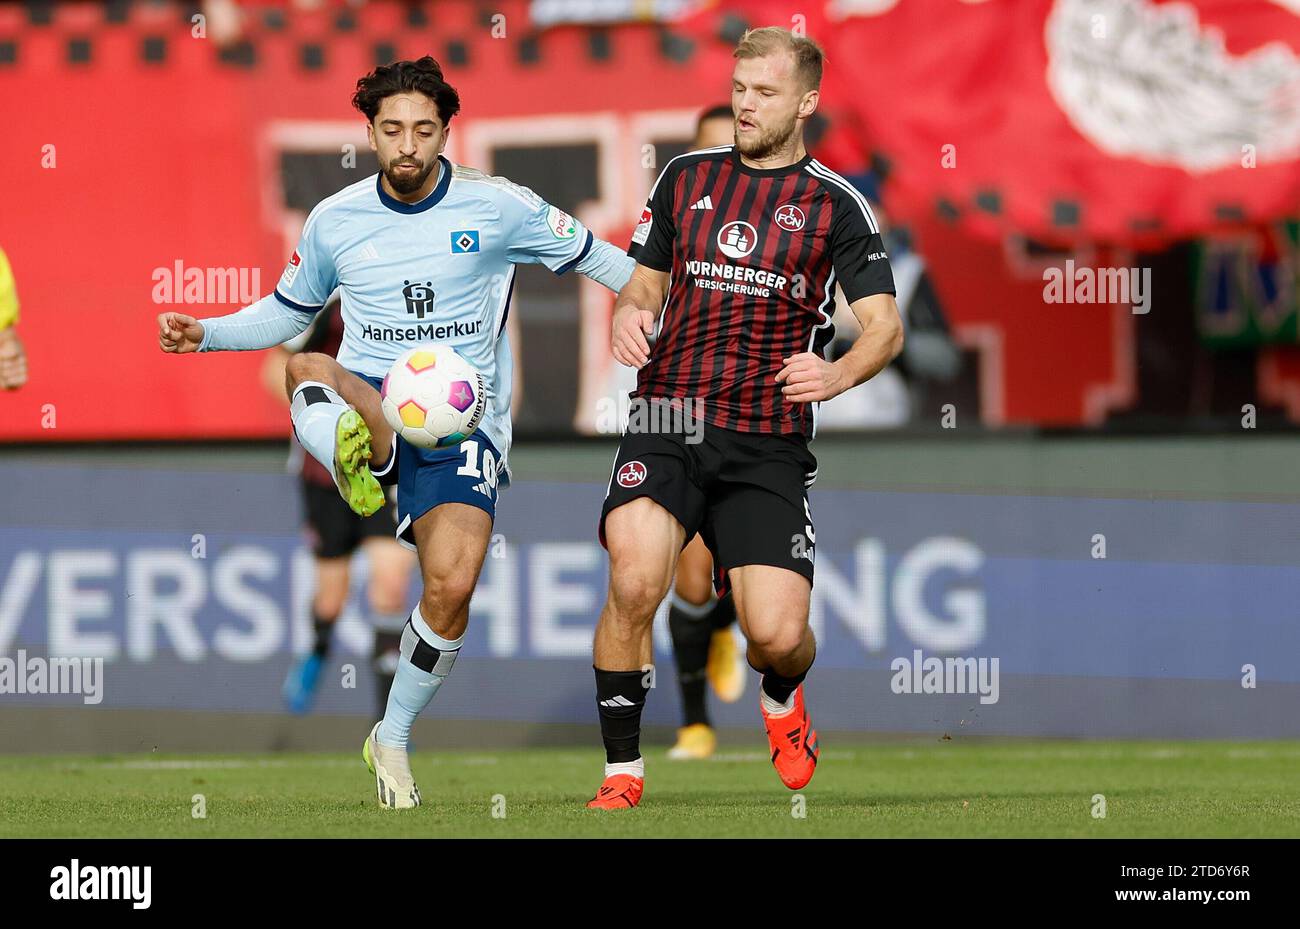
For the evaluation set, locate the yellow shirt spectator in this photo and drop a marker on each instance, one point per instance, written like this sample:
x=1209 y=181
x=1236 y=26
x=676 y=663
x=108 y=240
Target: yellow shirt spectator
x=8 y=294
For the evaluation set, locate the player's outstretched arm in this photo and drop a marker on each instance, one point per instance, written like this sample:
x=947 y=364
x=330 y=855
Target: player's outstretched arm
x=263 y=324
x=638 y=305
x=809 y=377
x=606 y=264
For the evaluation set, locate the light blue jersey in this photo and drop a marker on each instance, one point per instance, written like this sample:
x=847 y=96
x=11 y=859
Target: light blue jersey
x=441 y=270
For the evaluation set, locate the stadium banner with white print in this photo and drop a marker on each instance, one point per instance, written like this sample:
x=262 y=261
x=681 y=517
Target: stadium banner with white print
x=984 y=613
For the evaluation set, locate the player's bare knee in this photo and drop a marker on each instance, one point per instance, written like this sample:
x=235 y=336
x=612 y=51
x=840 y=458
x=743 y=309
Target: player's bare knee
x=635 y=593
x=446 y=593
x=327 y=610
x=388 y=594
x=775 y=644
x=329 y=601
x=387 y=599
x=308 y=366
x=636 y=581
x=298 y=369
x=693 y=589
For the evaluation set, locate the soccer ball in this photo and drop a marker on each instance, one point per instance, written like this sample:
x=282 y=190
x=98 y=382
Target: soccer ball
x=432 y=397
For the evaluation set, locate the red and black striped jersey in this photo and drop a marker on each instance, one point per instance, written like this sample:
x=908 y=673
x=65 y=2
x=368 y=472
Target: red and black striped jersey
x=754 y=257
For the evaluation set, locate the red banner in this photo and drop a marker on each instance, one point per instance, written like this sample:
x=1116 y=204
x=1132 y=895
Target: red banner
x=1132 y=122
x=133 y=186
x=140 y=164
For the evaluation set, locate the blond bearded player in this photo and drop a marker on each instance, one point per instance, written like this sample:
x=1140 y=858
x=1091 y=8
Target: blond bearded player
x=740 y=248
x=700 y=623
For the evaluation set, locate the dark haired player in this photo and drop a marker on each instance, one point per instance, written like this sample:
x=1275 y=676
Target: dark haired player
x=740 y=248
x=423 y=251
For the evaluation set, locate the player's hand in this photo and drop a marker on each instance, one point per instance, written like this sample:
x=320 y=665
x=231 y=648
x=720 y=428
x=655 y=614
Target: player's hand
x=179 y=333
x=808 y=377
x=630 y=342
x=13 y=360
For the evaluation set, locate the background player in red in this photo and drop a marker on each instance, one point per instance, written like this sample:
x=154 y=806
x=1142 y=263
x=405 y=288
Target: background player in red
x=740 y=248
x=336 y=533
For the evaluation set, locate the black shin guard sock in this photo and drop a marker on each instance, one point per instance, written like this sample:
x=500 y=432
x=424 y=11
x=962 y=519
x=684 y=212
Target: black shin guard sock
x=691 y=650
x=385 y=654
x=723 y=613
x=620 y=697
x=694 y=710
x=324 y=630
x=779 y=688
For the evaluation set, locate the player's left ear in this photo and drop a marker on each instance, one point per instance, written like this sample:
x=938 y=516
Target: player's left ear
x=446 y=134
x=808 y=105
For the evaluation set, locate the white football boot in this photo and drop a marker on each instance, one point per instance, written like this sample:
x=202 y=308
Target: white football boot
x=392 y=771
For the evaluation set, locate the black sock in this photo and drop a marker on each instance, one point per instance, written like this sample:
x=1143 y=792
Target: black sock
x=691 y=650
x=779 y=688
x=620 y=697
x=723 y=613
x=324 y=632
x=385 y=653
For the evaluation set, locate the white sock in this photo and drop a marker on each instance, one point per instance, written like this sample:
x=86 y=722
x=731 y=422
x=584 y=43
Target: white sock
x=315 y=410
x=634 y=768
x=413 y=687
x=773 y=708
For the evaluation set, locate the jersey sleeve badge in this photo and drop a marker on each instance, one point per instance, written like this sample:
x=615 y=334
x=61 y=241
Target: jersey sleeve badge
x=643 y=227
x=291 y=269
x=562 y=225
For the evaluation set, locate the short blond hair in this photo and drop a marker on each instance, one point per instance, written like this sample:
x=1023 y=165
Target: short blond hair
x=808 y=55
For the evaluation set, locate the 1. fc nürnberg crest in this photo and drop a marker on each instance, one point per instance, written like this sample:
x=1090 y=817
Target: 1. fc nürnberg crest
x=790 y=218
x=631 y=474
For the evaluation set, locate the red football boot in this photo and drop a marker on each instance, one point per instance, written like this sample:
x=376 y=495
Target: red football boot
x=793 y=742
x=618 y=792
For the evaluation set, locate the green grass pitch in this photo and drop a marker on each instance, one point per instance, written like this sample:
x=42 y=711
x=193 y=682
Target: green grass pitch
x=1152 y=789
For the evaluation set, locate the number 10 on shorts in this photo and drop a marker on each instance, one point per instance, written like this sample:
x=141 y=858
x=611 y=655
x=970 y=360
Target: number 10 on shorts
x=470 y=449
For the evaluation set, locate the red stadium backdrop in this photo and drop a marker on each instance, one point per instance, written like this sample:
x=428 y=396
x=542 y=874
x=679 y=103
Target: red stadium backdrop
x=134 y=153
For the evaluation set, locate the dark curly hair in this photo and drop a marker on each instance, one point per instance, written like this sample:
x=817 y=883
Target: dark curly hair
x=424 y=76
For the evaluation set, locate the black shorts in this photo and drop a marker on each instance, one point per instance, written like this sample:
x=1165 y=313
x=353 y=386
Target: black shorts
x=746 y=494
x=335 y=531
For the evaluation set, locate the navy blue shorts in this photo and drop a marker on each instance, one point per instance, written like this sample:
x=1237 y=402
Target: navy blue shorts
x=426 y=477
